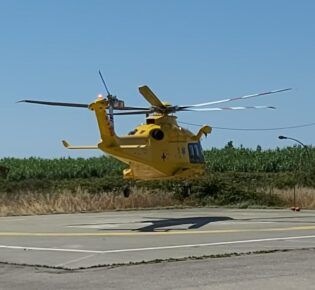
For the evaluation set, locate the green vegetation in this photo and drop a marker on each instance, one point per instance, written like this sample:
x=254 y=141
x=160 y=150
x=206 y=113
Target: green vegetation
x=63 y=168
x=228 y=159
x=248 y=160
x=234 y=176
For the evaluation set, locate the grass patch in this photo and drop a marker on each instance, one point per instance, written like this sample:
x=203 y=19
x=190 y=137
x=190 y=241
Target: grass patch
x=94 y=194
x=305 y=197
x=29 y=203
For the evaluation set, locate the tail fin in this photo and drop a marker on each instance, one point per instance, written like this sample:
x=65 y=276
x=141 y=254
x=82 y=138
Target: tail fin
x=108 y=135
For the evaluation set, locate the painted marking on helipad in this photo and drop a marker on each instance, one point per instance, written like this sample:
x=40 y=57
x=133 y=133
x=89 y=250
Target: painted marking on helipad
x=156 y=233
x=11 y=220
x=155 y=248
x=75 y=260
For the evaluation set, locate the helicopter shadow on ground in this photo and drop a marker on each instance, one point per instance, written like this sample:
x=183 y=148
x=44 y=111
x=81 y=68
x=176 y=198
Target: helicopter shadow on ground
x=152 y=224
x=162 y=224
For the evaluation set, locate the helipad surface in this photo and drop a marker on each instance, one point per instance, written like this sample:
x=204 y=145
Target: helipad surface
x=86 y=240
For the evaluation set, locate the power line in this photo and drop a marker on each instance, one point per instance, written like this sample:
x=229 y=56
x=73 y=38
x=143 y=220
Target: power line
x=255 y=129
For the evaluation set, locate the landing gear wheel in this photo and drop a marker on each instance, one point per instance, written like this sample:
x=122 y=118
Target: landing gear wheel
x=126 y=191
x=186 y=190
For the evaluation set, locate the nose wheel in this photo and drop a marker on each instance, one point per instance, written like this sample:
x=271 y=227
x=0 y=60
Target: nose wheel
x=126 y=191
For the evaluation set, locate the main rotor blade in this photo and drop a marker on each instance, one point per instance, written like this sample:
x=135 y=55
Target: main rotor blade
x=55 y=103
x=134 y=113
x=132 y=108
x=236 y=99
x=78 y=105
x=150 y=97
x=229 y=108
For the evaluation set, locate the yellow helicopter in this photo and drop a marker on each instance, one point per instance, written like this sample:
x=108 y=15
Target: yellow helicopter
x=158 y=149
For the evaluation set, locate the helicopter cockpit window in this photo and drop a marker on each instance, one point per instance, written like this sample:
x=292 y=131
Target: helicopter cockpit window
x=133 y=132
x=150 y=121
x=195 y=153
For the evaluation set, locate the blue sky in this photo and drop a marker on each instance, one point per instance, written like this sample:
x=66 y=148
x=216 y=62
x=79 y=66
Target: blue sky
x=186 y=51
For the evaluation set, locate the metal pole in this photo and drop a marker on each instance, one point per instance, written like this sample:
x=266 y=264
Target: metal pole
x=308 y=154
x=296 y=140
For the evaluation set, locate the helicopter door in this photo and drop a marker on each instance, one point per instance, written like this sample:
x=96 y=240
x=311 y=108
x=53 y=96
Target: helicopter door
x=195 y=153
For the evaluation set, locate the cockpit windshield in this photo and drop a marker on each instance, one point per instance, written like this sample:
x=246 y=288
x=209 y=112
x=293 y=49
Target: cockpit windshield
x=195 y=153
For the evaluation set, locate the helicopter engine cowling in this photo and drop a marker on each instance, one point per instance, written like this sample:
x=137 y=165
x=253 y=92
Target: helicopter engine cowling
x=157 y=134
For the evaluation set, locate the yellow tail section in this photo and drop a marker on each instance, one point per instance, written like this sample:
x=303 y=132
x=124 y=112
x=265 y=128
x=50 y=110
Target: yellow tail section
x=108 y=136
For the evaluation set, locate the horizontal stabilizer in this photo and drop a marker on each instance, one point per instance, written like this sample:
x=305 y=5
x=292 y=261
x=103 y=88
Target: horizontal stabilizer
x=68 y=146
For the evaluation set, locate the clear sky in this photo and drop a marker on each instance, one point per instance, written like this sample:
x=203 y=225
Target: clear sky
x=186 y=51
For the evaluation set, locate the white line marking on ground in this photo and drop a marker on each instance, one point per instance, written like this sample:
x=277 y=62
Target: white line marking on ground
x=75 y=260
x=155 y=248
x=11 y=220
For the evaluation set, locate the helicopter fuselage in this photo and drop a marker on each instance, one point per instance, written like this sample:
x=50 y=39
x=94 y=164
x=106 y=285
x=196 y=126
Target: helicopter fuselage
x=159 y=149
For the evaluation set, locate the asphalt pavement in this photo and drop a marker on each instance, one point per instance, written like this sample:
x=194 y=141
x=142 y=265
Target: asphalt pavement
x=281 y=270
x=95 y=242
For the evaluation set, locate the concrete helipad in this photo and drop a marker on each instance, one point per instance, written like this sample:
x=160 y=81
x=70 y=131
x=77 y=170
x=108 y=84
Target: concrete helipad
x=86 y=240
